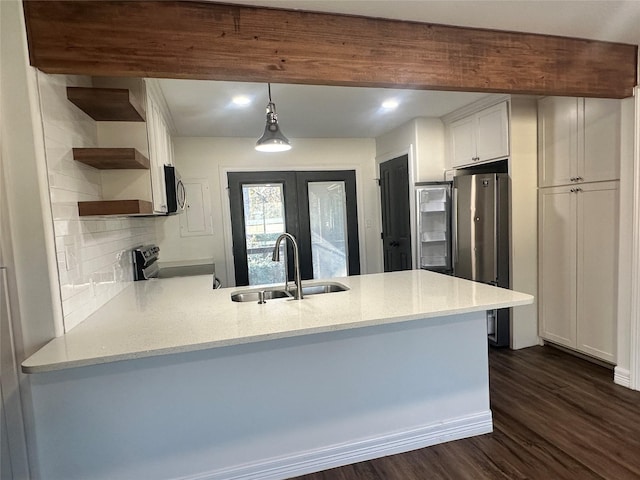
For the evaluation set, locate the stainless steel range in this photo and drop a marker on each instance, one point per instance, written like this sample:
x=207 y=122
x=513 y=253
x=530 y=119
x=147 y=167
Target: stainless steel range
x=146 y=266
x=145 y=262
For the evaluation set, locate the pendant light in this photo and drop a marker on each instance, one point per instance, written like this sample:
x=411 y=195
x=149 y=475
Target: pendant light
x=272 y=139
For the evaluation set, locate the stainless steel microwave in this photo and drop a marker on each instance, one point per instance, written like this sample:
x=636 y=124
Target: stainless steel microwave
x=176 y=193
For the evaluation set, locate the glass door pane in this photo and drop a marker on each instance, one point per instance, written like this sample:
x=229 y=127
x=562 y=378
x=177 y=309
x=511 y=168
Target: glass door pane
x=328 y=226
x=264 y=220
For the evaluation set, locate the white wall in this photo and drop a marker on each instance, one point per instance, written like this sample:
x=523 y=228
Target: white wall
x=523 y=169
x=625 y=246
x=26 y=235
x=26 y=211
x=397 y=140
x=93 y=254
x=430 y=149
x=210 y=158
x=426 y=137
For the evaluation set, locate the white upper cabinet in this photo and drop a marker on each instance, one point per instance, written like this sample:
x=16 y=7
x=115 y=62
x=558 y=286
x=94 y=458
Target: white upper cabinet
x=480 y=137
x=160 y=148
x=601 y=159
x=463 y=141
x=579 y=140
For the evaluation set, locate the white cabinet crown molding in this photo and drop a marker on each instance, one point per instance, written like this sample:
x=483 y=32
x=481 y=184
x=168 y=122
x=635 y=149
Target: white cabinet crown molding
x=475 y=107
x=155 y=89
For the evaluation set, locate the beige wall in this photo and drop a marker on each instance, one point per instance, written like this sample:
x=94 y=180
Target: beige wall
x=523 y=169
x=625 y=246
x=211 y=158
x=27 y=234
x=430 y=150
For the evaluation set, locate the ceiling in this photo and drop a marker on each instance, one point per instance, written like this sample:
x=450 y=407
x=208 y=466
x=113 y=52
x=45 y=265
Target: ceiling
x=204 y=108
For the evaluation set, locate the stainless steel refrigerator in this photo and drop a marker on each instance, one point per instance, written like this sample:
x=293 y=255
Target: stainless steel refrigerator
x=481 y=239
x=433 y=202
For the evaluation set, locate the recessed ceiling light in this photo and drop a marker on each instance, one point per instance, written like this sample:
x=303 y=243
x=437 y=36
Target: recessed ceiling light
x=241 y=100
x=390 y=104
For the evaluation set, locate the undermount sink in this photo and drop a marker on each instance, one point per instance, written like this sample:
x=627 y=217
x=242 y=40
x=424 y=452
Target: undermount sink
x=273 y=294
x=254 y=295
x=318 y=288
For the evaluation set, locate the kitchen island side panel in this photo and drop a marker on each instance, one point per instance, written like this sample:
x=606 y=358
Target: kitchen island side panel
x=269 y=409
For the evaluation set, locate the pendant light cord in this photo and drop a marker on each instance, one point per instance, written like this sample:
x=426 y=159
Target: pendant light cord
x=269 y=87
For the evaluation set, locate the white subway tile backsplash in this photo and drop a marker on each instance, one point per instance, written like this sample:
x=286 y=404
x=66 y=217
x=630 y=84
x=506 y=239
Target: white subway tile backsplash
x=65 y=211
x=93 y=255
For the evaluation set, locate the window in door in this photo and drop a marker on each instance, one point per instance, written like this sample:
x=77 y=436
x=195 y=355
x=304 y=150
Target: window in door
x=318 y=208
x=263 y=206
x=328 y=229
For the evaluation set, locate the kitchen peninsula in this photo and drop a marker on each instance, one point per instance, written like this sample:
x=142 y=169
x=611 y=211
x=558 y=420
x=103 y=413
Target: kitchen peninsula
x=178 y=381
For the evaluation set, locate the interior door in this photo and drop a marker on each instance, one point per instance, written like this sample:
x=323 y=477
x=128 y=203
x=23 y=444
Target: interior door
x=396 y=215
x=318 y=208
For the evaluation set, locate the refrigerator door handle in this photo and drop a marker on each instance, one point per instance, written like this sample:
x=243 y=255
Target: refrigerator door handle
x=454 y=229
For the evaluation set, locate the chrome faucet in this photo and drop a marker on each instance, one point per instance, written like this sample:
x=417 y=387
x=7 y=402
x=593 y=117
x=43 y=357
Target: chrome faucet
x=296 y=263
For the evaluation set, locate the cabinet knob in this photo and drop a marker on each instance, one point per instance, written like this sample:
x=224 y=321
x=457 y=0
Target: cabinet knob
x=579 y=179
x=573 y=179
x=578 y=190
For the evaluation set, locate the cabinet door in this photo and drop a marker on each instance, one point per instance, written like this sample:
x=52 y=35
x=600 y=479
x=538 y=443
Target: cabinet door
x=601 y=159
x=597 y=268
x=557 y=272
x=463 y=141
x=557 y=140
x=156 y=132
x=492 y=137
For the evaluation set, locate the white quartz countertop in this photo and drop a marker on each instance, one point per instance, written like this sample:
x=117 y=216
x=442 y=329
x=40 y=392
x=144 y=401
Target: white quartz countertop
x=175 y=315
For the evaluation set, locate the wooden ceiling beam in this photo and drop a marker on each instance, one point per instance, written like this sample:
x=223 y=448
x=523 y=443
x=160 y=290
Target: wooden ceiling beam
x=213 y=41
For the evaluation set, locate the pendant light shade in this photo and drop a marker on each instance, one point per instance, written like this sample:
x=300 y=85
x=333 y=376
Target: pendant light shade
x=272 y=139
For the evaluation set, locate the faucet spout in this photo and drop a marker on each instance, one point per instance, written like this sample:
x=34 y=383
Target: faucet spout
x=296 y=263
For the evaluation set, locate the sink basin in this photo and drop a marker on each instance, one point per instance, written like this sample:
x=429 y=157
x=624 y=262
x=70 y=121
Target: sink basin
x=254 y=295
x=272 y=294
x=319 y=288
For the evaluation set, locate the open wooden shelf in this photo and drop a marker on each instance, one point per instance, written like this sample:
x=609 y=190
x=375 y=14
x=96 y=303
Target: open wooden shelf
x=107 y=104
x=111 y=158
x=115 y=207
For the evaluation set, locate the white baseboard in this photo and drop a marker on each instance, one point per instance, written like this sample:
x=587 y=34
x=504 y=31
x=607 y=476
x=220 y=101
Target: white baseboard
x=346 y=453
x=622 y=376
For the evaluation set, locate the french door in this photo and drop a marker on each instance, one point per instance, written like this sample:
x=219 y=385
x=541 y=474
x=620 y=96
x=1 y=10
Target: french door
x=318 y=208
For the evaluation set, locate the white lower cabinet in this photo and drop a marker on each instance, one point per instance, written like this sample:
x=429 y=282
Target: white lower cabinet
x=578 y=255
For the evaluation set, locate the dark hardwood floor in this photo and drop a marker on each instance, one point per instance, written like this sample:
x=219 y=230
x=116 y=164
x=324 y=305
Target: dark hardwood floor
x=555 y=417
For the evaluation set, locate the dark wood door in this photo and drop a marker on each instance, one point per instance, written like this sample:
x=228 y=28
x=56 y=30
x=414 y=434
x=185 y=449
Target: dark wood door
x=396 y=216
